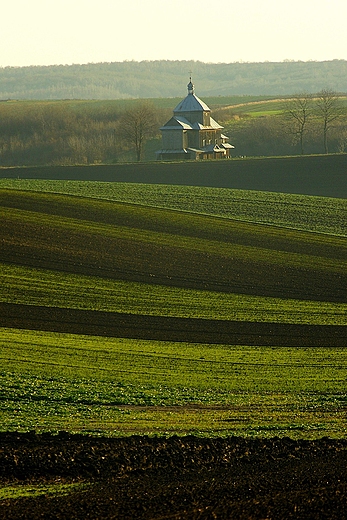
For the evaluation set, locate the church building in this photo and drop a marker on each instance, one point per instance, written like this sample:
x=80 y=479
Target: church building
x=192 y=133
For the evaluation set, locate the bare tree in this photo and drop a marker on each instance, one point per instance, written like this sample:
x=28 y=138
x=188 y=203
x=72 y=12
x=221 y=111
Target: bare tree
x=137 y=125
x=342 y=138
x=329 y=109
x=298 y=111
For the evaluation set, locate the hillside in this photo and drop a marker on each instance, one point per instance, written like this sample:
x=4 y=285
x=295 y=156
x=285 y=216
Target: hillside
x=159 y=249
x=118 y=316
x=168 y=79
x=287 y=210
x=71 y=132
x=160 y=362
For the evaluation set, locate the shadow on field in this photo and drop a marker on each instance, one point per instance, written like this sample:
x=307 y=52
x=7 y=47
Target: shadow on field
x=321 y=175
x=162 y=328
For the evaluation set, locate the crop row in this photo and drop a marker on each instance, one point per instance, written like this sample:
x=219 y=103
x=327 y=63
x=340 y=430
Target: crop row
x=25 y=285
x=319 y=214
x=69 y=256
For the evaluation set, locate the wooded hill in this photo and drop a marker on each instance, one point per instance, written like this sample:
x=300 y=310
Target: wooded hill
x=153 y=79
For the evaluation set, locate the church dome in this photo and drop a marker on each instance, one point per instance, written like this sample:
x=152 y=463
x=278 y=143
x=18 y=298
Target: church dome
x=191 y=103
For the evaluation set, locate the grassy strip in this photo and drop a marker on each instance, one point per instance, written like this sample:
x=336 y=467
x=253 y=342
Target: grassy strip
x=151 y=218
x=227 y=249
x=208 y=367
x=31 y=286
x=116 y=386
x=320 y=214
x=14 y=492
x=59 y=381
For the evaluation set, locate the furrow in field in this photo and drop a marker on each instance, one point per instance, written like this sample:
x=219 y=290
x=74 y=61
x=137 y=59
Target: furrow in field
x=164 y=328
x=179 y=250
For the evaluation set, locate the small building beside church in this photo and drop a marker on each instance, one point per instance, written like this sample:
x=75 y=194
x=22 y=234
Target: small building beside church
x=192 y=133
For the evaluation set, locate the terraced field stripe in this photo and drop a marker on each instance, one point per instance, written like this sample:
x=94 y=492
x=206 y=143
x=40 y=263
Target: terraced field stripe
x=170 y=329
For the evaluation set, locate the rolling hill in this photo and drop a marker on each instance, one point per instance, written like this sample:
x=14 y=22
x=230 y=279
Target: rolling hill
x=319 y=175
x=111 y=308
x=167 y=249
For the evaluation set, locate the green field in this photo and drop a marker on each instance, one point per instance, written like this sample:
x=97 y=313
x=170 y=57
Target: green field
x=321 y=214
x=206 y=257
x=114 y=386
x=23 y=285
x=258 y=108
x=317 y=175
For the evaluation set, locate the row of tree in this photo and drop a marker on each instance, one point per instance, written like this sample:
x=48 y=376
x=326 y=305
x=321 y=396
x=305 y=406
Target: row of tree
x=67 y=133
x=307 y=124
x=58 y=133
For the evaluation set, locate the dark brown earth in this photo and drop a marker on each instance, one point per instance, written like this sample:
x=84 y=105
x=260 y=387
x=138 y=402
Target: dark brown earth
x=177 y=478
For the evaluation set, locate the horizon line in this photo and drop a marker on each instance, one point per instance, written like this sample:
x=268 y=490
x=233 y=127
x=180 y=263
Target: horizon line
x=238 y=62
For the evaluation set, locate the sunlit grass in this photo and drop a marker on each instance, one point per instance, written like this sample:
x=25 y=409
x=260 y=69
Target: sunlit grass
x=14 y=492
x=267 y=112
x=24 y=285
x=118 y=386
x=322 y=214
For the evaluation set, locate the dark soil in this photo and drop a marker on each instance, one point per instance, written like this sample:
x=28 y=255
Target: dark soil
x=179 y=478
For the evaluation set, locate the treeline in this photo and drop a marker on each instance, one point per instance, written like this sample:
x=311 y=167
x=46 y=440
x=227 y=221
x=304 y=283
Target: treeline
x=155 y=79
x=306 y=124
x=67 y=133
x=272 y=136
x=52 y=133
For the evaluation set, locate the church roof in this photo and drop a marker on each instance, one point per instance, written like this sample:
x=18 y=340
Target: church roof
x=179 y=123
x=191 y=103
x=213 y=124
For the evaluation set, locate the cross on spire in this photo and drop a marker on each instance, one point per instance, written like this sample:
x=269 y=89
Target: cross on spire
x=190 y=84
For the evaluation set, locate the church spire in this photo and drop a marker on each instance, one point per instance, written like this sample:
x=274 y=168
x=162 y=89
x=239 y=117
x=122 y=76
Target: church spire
x=190 y=86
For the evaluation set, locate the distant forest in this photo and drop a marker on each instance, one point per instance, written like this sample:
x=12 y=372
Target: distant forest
x=163 y=79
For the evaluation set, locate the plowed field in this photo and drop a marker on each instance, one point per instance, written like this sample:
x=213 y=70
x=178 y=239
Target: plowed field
x=180 y=478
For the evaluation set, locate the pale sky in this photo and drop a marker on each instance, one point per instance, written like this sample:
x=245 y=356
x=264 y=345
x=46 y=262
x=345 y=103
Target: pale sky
x=49 y=32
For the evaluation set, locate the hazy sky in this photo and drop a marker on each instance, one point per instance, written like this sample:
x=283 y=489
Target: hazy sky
x=48 y=32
